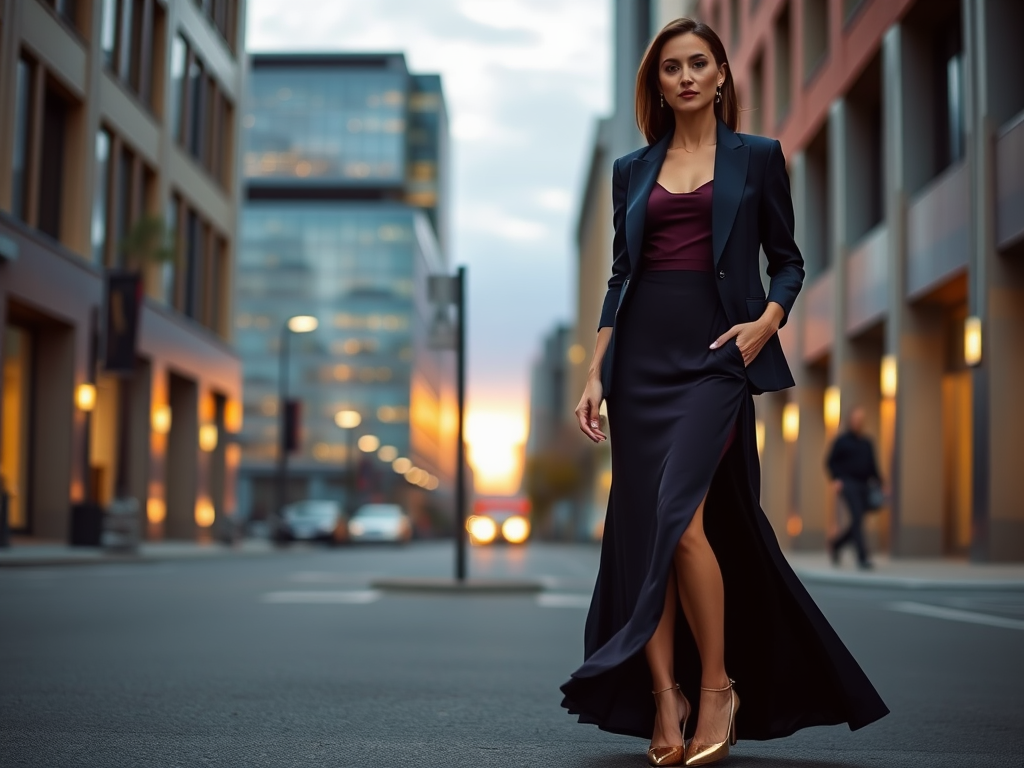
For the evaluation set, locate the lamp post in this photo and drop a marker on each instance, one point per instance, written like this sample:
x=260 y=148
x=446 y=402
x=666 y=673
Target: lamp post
x=296 y=324
x=349 y=420
x=448 y=290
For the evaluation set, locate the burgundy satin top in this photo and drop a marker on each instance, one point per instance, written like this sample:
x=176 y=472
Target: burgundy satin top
x=677 y=231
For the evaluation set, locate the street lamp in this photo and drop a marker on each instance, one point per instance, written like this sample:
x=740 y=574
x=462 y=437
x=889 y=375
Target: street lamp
x=348 y=420
x=296 y=324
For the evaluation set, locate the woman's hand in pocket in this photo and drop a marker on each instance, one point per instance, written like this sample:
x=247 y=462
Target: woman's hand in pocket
x=751 y=337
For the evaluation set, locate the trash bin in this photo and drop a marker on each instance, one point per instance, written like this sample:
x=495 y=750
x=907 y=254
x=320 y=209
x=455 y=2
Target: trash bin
x=86 y=524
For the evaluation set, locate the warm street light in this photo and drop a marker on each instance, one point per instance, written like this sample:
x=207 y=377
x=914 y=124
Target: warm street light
x=832 y=410
x=887 y=378
x=160 y=419
x=791 y=422
x=759 y=435
x=387 y=453
x=294 y=324
x=401 y=465
x=368 y=443
x=348 y=419
x=972 y=340
x=208 y=437
x=85 y=397
x=302 y=324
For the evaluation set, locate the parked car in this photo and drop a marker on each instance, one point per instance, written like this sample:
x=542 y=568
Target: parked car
x=380 y=522
x=312 y=520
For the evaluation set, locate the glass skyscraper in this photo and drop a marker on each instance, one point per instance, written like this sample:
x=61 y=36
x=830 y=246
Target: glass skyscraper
x=345 y=157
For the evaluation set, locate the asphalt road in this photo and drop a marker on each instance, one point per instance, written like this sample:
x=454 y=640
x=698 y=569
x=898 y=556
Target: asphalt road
x=292 y=660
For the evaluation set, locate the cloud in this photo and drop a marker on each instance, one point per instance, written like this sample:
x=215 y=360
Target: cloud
x=492 y=220
x=555 y=199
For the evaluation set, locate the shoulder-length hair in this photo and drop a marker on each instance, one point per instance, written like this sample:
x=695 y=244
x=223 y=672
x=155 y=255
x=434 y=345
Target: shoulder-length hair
x=655 y=120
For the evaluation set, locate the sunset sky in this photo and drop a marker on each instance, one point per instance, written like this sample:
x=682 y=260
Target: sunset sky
x=524 y=81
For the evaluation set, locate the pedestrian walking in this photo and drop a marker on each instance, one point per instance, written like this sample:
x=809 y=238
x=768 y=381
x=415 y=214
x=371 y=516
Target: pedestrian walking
x=851 y=464
x=686 y=336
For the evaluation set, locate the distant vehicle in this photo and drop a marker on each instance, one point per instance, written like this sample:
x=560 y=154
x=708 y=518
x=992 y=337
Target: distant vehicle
x=312 y=520
x=380 y=522
x=499 y=520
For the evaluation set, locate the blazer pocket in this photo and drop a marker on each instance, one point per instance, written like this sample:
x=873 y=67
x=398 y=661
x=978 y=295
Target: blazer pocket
x=755 y=308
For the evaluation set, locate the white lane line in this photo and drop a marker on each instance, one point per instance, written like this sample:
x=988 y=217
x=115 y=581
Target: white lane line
x=955 y=614
x=564 y=600
x=347 y=597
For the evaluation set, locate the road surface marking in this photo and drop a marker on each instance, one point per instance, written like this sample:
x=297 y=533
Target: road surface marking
x=348 y=597
x=564 y=600
x=955 y=614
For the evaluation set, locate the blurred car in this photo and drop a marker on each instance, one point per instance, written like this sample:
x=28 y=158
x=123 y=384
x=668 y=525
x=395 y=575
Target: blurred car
x=499 y=520
x=380 y=522
x=312 y=520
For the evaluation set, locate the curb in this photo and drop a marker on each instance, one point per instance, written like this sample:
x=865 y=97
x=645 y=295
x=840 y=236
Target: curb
x=452 y=587
x=839 y=578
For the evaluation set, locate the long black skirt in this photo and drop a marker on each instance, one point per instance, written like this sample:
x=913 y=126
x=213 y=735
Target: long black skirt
x=673 y=407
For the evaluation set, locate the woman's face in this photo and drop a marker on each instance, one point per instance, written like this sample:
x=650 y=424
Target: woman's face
x=688 y=74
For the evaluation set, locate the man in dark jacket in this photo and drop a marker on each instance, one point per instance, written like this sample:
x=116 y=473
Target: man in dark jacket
x=851 y=463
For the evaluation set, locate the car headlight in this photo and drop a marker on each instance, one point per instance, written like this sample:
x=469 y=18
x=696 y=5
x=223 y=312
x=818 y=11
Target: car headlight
x=482 y=530
x=516 y=529
x=357 y=528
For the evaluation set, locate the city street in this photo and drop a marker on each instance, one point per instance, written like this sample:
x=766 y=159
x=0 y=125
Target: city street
x=292 y=659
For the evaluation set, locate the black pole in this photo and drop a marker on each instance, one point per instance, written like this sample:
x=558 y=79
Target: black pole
x=282 y=437
x=350 y=449
x=460 y=462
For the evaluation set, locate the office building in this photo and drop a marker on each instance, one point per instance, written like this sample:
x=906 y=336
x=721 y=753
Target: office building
x=344 y=220
x=119 y=119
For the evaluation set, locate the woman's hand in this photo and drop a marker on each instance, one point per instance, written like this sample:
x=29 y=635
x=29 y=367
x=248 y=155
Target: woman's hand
x=751 y=337
x=588 y=412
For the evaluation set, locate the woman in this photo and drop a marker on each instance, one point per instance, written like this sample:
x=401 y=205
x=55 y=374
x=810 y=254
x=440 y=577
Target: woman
x=686 y=336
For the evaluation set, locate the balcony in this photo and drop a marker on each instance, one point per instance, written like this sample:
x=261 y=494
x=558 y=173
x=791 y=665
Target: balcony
x=1009 y=162
x=866 y=279
x=818 y=321
x=938 y=232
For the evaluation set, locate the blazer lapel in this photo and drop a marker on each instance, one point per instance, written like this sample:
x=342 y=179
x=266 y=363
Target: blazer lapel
x=642 y=175
x=730 y=178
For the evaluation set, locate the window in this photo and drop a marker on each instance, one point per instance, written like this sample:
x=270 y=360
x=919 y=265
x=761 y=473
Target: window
x=128 y=39
x=169 y=269
x=222 y=14
x=66 y=9
x=197 y=108
x=51 y=164
x=179 y=59
x=816 y=34
x=101 y=191
x=125 y=195
x=195 y=259
x=850 y=8
x=949 y=96
x=108 y=32
x=783 y=67
x=22 y=146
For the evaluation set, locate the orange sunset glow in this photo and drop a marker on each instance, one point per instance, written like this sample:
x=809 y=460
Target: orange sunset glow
x=496 y=438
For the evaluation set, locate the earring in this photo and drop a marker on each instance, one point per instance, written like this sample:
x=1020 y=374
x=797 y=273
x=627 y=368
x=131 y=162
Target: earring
x=662 y=95
x=718 y=95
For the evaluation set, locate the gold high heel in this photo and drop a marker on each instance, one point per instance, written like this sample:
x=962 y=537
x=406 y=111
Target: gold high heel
x=664 y=756
x=705 y=754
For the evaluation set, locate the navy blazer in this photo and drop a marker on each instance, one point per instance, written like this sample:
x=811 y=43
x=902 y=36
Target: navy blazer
x=751 y=209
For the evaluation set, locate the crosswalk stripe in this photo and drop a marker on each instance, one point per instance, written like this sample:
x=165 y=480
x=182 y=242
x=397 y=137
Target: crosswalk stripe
x=563 y=600
x=955 y=614
x=347 y=597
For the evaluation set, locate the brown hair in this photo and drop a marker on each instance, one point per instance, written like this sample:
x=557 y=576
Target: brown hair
x=654 y=120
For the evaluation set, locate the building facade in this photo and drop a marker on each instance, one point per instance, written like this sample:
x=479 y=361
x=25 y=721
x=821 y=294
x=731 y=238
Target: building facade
x=903 y=125
x=119 y=120
x=345 y=220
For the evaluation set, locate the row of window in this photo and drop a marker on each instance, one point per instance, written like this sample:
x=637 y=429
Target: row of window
x=202 y=117
x=224 y=16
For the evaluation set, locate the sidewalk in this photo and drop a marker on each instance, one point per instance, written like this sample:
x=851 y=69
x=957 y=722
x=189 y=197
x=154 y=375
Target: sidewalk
x=909 y=573
x=22 y=554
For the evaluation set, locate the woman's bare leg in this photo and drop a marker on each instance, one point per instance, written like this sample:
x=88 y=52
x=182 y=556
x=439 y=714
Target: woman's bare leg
x=702 y=596
x=660 y=651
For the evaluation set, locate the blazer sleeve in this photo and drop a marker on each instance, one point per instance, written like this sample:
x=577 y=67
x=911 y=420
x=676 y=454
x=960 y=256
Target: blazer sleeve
x=620 y=254
x=785 y=264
